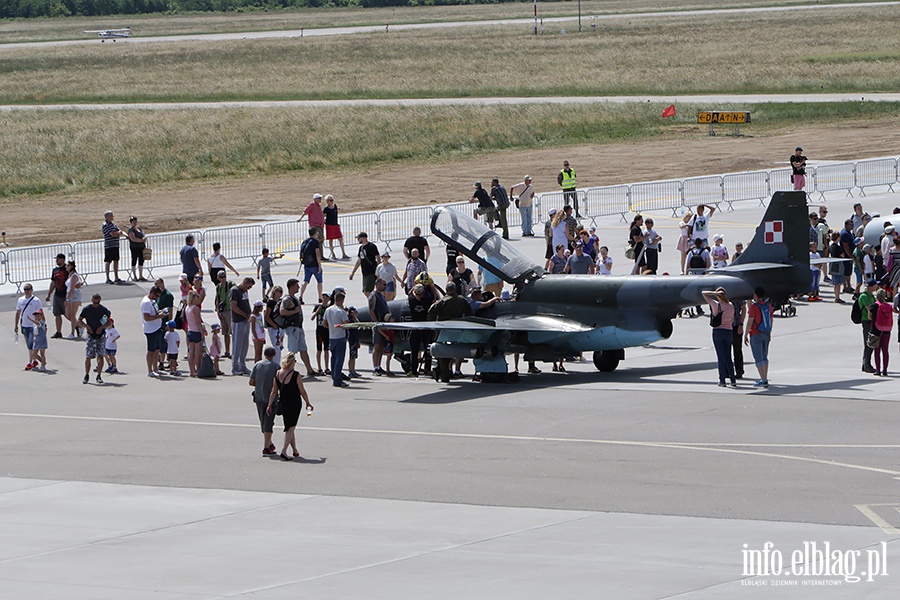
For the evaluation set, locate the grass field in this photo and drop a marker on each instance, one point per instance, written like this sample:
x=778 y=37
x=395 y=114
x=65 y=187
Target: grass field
x=24 y=30
x=841 y=50
x=58 y=151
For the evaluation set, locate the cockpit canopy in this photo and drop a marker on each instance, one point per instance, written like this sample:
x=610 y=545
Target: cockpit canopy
x=484 y=246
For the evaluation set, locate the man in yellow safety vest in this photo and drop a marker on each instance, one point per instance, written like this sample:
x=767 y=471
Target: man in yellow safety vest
x=566 y=179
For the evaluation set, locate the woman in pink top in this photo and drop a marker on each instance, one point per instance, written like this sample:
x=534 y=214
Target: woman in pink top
x=722 y=334
x=883 y=321
x=194 y=321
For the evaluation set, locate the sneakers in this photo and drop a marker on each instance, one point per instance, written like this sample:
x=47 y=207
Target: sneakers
x=85 y=379
x=175 y=373
x=354 y=375
x=344 y=377
x=269 y=452
x=764 y=383
x=99 y=379
x=153 y=374
x=868 y=369
x=458 y=375
x=342 y=384
x=30 y=366
x=56 y=336
x=71 y=336
x=379 y=371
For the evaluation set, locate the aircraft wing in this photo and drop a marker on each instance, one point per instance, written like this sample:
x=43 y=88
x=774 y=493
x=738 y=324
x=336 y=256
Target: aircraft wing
x=540 y=323
x=827 y=261
x=756 y=266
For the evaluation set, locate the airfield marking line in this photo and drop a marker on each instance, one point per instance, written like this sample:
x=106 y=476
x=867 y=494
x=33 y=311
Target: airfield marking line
x=486 y=436
x=875 y=518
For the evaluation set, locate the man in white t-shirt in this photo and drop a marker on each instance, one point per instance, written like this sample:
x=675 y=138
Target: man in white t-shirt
x=699 y=225
x=152 y=319
x=26 y=306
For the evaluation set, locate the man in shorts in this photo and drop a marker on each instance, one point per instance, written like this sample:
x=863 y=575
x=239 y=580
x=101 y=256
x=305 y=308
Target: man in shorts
x=367 y=261
x=380 y=312
x=94 y=319
x=26 y=306
x=262 y=378
x=58 y=289
x=292 y=312
x=111 y=235
x=315 y=216
x=311 y=257
x=223 y=309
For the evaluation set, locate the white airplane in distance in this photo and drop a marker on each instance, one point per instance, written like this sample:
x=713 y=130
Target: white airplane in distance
x=110 y=34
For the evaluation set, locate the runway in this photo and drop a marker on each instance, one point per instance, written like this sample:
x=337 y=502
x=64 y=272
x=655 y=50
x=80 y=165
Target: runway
x=643 y=483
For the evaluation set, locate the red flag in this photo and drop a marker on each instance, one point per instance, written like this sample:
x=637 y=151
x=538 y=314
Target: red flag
x=669 y=111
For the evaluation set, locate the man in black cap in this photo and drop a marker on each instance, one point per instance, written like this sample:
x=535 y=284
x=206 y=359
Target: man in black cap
x=798 y=166
x=58 y=289
x=485 y=205
x=501 y=198
x=367 y=261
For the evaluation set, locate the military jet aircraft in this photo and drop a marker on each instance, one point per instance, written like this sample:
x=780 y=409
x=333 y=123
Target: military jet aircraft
x=110 y=34
x=561 y=316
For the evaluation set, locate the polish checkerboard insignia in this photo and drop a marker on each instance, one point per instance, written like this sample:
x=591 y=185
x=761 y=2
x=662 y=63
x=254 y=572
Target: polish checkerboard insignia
x=774 y=232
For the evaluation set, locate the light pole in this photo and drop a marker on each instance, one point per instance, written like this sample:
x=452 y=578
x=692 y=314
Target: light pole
x=579 y=16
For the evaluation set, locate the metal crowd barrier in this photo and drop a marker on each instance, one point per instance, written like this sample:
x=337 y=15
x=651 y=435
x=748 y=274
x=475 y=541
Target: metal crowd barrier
x=703 y=190
x=656 y=195
x=396 y=225
x=780 y=180
x=830 y=178
x=3 y=275
x=240 y=241
x=354 y=224
x=167 y=248
x=557 y=200
x=88 y=257
x=607 y=201
x=34 y=264
x=737 y=187
x=286 y=236
x=879 y=172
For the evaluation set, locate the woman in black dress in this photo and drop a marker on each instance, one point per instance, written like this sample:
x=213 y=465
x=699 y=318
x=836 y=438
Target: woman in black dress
x=292 y=393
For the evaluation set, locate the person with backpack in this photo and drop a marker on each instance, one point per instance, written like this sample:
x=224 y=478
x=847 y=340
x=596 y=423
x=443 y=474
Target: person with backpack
x=722 y=320
x=698 y=261
x=882 y=315
x=311 y=258
x=758 y=333
x=274 y=320
x=859 y=314
x=501 y=199
x=290 y=317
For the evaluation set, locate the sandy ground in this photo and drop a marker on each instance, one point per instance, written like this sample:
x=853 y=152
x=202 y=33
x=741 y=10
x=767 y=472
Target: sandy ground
x=224 y=202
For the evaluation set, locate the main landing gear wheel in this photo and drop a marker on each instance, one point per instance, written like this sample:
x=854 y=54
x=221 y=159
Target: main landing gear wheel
x=607 y=360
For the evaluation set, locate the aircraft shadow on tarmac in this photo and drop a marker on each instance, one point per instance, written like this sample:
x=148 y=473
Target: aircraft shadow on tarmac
x=460 y=390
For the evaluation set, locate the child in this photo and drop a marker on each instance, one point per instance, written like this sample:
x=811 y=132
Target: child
x=814 y=272
x=186 y=287
x=868 y=262
x=353 y=342
x=719 y=252
x=738 y=250
x=264 y=271
x=173 y=342
x=215 y=346
x=322 y=335
x=112 y=346
x=257 y=331
x=39 y=343
x=605 y=262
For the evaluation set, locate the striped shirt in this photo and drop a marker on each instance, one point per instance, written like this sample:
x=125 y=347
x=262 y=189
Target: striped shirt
x=110 y=234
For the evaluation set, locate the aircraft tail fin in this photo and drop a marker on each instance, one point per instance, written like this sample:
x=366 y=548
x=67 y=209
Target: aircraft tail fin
x=781 y=237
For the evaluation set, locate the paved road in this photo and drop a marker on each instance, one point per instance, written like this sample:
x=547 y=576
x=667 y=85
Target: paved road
x=707 y=99
x=293 y=33
x=644 y=483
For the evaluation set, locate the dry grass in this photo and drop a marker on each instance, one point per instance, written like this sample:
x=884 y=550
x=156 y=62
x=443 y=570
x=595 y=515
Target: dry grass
x=25 y=30
x=841 y=50
x=76 y=151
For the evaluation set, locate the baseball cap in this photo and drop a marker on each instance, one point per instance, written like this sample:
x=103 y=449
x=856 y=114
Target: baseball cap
x=222 y=275
x=215 y=326
x=889 y=229
x=552 y=212
x=857 y=241
x=351 y=309
x=799 y=148
x=172 y=324
x=871 y=283
x=527 y=178
x=317 y=196
x=477 y=184
x=385 y=253
x=258 y=303
x=867 y=247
